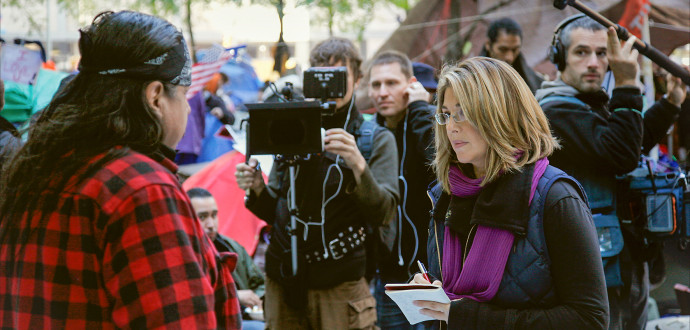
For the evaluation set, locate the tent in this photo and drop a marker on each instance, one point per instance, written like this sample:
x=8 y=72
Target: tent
x=243 y=81
x=234 y=220
x=436 y=31
x=22 y=100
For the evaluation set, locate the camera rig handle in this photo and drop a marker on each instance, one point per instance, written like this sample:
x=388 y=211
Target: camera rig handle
x=328 y=106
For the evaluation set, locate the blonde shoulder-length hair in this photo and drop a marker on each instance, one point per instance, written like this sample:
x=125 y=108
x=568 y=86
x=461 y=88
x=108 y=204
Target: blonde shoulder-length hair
x=500 y=105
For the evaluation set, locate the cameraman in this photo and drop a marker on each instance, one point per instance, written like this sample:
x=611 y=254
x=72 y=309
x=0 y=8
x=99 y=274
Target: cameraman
x=339 y=194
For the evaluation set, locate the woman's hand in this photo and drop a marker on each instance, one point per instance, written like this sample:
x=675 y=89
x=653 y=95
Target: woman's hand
x=433 y=309
x=419 y=279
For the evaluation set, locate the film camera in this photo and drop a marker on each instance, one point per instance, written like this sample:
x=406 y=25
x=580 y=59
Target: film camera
x=294 y=127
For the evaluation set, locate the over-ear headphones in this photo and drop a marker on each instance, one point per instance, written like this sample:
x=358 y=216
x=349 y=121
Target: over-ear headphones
x=556 y=52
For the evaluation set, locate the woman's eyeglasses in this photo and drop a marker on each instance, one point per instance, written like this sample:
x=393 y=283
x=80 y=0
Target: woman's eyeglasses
x=443 y=117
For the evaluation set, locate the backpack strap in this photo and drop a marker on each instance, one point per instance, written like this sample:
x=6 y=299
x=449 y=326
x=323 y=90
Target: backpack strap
x=365 y=137
x=562 y=98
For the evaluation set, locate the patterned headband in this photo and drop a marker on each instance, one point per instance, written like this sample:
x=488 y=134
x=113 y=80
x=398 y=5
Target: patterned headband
x=174 y=66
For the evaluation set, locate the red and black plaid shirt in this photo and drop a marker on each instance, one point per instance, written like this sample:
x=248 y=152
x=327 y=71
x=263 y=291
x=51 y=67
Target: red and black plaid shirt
x=121 y=250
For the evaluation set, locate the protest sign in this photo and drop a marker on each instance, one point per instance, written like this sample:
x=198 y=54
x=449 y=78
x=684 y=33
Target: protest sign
x=19 y=64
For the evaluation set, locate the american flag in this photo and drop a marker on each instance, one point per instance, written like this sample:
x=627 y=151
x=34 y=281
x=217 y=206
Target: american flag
x=203 y=70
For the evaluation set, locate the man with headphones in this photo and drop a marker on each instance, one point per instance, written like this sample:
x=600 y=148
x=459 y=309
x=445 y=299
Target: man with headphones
x=602 y=137
x=402 y=106
x=339 y=193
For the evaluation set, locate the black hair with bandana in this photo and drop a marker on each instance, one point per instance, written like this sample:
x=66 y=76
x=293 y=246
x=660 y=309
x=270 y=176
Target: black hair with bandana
x=172 y=66
x=101 y=110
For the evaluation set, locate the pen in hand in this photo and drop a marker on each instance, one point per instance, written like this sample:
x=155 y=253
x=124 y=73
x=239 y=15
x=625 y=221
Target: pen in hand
x=423 y=270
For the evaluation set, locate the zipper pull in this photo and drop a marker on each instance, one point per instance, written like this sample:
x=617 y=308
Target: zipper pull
x=516 y=236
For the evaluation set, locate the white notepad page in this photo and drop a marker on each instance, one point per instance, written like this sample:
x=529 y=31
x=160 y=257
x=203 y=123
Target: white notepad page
x=404 y=294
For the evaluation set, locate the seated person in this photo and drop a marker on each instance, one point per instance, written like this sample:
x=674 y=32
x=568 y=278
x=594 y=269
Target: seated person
x=248 y=279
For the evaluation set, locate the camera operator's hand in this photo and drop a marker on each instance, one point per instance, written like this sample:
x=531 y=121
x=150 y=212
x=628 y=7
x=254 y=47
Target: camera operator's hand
x=340 y=142
x=248 y=176
x=416 y=92
x=675 y=87
x=622 y=60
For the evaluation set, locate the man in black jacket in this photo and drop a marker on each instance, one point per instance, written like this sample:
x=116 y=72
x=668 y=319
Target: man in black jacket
x=402 y=107
x=505 y=43
x=338 y=194
x=602 y=138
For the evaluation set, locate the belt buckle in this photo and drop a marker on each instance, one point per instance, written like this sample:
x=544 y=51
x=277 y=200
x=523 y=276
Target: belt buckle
x=335 y=255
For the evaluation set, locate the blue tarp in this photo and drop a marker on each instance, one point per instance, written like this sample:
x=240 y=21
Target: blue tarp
x=213 y=145
x=244 y=83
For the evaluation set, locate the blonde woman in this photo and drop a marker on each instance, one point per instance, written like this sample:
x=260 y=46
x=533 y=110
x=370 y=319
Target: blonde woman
x=511 y=239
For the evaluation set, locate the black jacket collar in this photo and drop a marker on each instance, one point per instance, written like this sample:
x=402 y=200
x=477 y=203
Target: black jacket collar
x=337 y=119
x=503 y=203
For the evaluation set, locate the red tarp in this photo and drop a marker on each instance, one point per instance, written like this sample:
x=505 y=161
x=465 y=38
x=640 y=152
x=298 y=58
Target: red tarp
x=234 y=220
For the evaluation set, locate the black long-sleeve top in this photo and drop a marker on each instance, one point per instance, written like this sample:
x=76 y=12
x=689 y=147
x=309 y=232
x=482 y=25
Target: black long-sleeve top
x=657 y=120
x=606 y=135
x=414 y=138
x=602 y=137
x=576 y=268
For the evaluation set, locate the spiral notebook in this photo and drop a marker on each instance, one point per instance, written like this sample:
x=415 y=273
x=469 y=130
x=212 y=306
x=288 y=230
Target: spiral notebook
x=404 y=294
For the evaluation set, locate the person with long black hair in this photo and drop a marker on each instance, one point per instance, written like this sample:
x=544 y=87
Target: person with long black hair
x=95 y=230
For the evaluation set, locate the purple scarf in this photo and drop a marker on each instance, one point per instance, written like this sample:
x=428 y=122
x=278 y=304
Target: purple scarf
x=480 y=276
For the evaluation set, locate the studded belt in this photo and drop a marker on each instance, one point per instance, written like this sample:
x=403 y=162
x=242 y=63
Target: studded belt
x=345 y=242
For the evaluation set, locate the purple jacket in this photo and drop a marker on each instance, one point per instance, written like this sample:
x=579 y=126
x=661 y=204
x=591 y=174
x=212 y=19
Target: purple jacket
x=194 y=134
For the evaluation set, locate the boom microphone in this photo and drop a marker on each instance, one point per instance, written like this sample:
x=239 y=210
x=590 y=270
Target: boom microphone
x=644 y=48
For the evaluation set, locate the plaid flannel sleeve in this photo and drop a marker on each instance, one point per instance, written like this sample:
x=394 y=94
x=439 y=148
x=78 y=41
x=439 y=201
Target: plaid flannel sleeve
x=158 y=268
